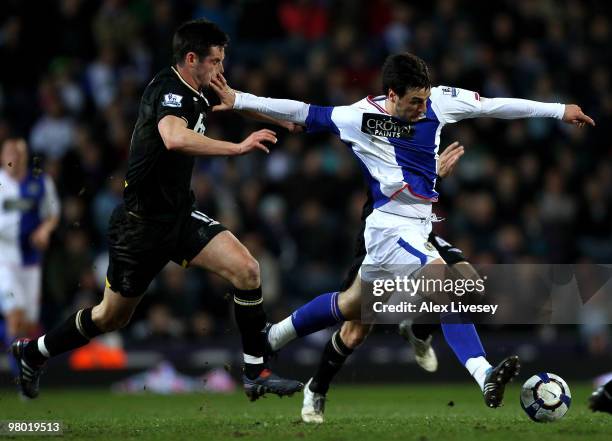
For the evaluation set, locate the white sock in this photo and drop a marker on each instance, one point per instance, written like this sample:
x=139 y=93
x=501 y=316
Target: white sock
x=250 y=359
x=281 y=333
x=42 y=347
x=478 y=367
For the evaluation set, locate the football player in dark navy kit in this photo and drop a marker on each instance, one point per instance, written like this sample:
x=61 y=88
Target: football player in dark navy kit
x=601 y=399
x=158 y=222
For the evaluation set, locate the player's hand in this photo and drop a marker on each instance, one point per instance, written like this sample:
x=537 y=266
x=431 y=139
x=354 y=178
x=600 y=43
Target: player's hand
x=256 y=141
x=449 y=158
x=40 y=238
x=574 y=115
x=226 y=94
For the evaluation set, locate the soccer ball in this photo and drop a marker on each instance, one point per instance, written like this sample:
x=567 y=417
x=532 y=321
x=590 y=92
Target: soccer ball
x=545 y=397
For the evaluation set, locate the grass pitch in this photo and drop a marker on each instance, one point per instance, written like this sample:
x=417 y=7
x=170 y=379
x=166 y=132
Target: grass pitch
x=402 y=412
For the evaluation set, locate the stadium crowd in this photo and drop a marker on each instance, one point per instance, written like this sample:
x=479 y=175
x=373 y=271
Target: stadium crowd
x=526 y=191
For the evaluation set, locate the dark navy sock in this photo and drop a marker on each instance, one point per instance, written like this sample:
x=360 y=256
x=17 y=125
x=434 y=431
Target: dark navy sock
x=332 y=360
x=74 y=332
x=251 y=319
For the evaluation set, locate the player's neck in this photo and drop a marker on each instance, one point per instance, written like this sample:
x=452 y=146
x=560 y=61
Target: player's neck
x=17 y=175
x=187 y=77
x=389 y=107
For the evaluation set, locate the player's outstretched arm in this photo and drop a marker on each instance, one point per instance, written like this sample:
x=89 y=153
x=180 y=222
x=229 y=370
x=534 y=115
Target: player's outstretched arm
x=178 y=137
x=278 y=109
x=291 y=127
x=514 y=108
x=227 y=96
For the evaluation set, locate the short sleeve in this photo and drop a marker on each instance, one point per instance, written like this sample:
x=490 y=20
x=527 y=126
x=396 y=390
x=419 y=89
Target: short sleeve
x=319 y=119
x=452 y=104
x=172 y=100
x=327 y=119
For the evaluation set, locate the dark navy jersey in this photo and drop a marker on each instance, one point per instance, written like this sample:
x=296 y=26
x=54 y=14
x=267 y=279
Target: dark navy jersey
x=157 y=182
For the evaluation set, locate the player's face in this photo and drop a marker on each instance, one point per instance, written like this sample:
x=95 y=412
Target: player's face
x=412 y=106
x=209 y=66
x=14 y=156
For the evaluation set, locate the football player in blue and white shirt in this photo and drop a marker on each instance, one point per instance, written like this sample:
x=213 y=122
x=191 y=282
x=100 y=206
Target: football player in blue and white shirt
x=29 y=212
x=396 y=138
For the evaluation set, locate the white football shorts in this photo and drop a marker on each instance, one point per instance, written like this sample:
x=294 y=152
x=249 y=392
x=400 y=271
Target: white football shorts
x=396 y=245
x=20 y=288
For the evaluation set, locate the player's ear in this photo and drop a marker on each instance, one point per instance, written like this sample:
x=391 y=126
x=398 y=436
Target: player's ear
x=392 y=96
x=191 y=58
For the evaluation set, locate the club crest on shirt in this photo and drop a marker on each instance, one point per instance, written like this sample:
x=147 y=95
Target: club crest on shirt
x=172 y=100
x=385 y=125
x=452 y=91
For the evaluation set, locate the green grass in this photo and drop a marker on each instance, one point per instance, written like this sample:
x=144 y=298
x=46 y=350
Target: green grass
x=402 y=412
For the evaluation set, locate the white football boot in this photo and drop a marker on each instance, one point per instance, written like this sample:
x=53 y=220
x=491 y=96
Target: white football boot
x=424 y=354
x=313 y=406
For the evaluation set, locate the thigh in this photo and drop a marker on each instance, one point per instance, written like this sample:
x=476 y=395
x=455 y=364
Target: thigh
x=222 y=255
x=196 y=232
x=137 y=252
x=450 y=253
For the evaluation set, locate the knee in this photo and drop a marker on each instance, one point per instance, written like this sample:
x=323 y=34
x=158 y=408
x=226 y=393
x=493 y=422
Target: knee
x=350 y=305
x=108 y=320
x=247 y=275
x=354 y=334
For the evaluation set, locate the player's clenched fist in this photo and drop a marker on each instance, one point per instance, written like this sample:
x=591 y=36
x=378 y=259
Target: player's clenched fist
x=256 y=141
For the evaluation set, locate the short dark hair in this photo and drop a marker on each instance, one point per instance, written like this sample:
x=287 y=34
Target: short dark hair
x=197 y=36
x=404 y=71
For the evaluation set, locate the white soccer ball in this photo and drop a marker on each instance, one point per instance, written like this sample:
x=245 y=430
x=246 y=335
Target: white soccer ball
x=545 y=397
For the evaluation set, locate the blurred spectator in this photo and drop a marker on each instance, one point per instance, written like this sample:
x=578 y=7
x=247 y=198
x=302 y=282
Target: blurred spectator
x=102 y=77
x=53 y=134
x=307 y=19
x=105 y=202
x=114 y=24
x=159 y=325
